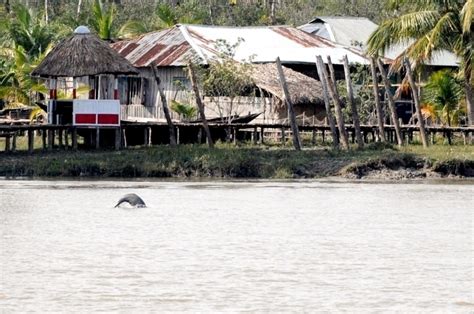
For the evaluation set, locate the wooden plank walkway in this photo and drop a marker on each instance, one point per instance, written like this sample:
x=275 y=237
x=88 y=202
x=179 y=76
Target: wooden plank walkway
x=145 y=133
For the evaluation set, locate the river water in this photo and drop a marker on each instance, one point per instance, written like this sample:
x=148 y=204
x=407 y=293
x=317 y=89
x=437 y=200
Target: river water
x=236 y=246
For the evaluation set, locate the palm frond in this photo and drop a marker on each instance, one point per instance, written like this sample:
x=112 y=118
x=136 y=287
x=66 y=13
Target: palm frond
x=467 y=16
x=401 y=30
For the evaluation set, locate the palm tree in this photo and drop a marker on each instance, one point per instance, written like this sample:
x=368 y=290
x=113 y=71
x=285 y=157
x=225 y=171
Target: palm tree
x=444 y=92
x=102 y=19
x=28 y=30
x=432 y=26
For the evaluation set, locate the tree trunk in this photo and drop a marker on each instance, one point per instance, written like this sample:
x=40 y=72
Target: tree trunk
x=469 y=95
x=291 y=111
x=327 y=103
x=165 y=106
x=416 y=99
x=350 y=93
x=199 y=103
x=273 y=12
x=79 y=5
x=378 y=105
x=391 y=103
x=46 y=17
x=337 y=106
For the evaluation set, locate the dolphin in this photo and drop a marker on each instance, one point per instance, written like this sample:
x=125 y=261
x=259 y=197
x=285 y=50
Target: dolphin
x=133 y=199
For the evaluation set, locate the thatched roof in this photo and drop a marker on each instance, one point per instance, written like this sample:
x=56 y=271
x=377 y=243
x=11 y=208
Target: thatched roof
x=302 y=88
x=83 y=54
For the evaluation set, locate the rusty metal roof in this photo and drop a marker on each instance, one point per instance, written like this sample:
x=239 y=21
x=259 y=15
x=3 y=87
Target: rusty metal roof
x=175 y=46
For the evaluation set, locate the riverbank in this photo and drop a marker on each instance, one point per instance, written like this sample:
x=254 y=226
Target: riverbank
x=227 y=161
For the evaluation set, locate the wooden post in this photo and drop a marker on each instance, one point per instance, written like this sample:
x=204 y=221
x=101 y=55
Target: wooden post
x=124 y=136
x=165 y=106
x=43 y=139
x=416 y=99
x=378 y=105
x=291 y=111
x=66 y=138
x=31 y=141
x=234 y=135
x=327 y=103
x=337 y=106
x=313 y=138
x=7 y=143
x=149 y=137
x=118 y=138
x=14 y=142
x=391 y=102
x=355 y=114
x=97 y=138
x=283 y=139
x=60 y=138
x=261 y=135
x=177 y=135
x=50 y=139
x=200 y=105
x=74 y=138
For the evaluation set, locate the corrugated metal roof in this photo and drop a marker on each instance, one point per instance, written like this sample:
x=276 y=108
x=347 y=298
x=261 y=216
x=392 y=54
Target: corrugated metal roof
x=174 y=46
x=349 y=31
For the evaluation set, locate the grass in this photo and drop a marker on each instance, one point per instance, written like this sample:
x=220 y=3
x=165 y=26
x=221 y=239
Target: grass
x=229 y=161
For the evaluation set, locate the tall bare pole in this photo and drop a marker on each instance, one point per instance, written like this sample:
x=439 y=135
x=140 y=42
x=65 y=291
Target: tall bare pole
x=291 y=111
x=350 y=93
x=391 y=102
x=337 y=107
x=327 y=102
x=378 y=105
x=164 y=102
x=79 y=5
x=199 y=103
x=416 y=99
x=46 y=16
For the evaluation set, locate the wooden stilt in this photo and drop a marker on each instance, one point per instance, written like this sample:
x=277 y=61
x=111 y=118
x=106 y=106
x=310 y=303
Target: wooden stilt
x=14 y=142
x=97 y=138
x=50 y=139
x=74 y=139
x=7 y=143
x=43 y=138
x=124 y=138
x=118 y=138
x=31 y=141
x=60 y=138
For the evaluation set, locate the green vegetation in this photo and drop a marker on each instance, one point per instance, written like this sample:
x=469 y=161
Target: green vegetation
x=228 y=161
x=433 y=25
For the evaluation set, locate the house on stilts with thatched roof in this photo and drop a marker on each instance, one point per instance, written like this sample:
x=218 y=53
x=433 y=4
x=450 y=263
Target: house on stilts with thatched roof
x=84 y=62
x=170 y=51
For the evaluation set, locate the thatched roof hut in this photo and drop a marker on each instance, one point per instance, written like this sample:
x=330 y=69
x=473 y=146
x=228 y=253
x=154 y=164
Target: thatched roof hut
x=303 y=89
x=83 y=54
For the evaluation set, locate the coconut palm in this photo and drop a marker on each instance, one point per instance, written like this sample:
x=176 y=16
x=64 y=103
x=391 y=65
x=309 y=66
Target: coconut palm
x=432 y=26
x=102 y=19
x=26 y=29
x=444 y=92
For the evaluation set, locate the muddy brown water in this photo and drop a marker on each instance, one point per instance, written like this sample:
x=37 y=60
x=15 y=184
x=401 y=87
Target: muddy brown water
x=236 y=246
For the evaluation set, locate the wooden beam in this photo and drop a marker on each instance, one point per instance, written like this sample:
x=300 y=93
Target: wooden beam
x=327 y=102
x=391 y=102
x=378 y=105
x=350 y=93
x=291 y=111
x=165 y=106
x=199 y=103
x=416 y=99
x=337 y=107
x=31 y=140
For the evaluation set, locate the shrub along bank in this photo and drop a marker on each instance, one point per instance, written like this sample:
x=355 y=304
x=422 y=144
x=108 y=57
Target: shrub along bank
x=376 y=161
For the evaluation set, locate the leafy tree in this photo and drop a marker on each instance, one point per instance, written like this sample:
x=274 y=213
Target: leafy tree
x=102 y=19
x=433 y=25
x=444 y=92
